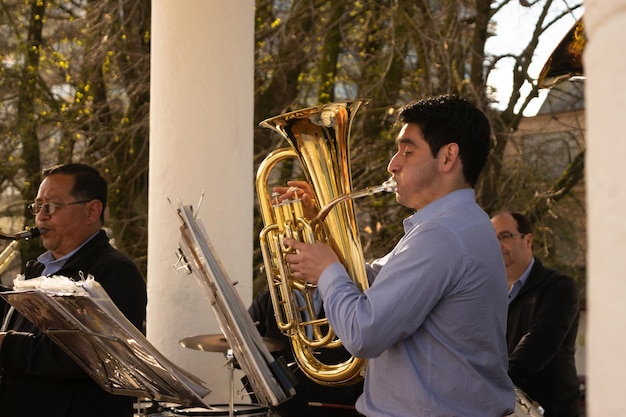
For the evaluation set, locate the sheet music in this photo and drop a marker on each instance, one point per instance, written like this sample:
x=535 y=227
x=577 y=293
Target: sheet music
x=91 y=329
x=271 y=381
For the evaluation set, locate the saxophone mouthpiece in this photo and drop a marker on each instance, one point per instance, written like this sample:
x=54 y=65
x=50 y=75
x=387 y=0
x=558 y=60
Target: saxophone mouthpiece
x=31 y=233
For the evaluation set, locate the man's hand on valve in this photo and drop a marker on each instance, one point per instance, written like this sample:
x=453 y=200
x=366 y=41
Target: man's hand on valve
x=309 y=260
x=299 y=189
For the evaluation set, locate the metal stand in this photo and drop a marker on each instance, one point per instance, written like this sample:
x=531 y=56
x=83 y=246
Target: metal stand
x=231 y=380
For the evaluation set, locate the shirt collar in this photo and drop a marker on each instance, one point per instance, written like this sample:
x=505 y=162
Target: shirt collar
x=432 y=209
x=519 y=284
x=52 y=265
x=524 y=277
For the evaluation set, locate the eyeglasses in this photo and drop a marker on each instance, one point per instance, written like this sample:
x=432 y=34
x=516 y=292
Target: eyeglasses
x=51 y=208
x=504 y=236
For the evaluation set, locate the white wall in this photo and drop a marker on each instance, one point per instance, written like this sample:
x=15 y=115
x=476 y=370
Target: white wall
x=201 y=127
x=605 y=70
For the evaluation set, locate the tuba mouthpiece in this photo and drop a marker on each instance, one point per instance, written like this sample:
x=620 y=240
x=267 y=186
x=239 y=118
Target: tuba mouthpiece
x=390 y=186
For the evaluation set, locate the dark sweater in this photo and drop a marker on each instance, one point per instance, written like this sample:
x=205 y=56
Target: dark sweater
x=39 y=377
x=541 y=336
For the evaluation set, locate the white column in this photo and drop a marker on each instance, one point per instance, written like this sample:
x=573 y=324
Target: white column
x=605 y=69
x=201 y=127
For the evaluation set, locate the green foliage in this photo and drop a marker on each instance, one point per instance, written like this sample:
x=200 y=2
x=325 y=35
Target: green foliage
x=315 y=51
x=74 y=86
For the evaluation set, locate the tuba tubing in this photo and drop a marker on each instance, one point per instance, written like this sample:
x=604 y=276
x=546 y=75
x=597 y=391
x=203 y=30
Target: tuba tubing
x=319 y=140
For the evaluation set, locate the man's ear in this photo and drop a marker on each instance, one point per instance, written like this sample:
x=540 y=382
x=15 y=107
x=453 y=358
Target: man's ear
x=529 y=240
x=449 y=155
x=94 y=208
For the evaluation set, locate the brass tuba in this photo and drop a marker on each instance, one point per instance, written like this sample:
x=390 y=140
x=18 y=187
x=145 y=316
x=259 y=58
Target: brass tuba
x=319 y=138
x=566 y=60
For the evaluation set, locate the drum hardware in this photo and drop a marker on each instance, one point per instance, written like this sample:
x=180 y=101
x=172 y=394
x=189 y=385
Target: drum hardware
x=145 y=407
x=151 y=408
x=249 y=410
x=331 y=405
x=218 y=343
x=231 y=381
x=524 y=406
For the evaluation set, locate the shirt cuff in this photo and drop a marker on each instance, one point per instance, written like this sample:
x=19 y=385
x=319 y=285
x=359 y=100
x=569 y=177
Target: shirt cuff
x=331 y=276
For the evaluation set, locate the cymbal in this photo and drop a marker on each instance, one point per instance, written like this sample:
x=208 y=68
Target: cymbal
x=218 y=343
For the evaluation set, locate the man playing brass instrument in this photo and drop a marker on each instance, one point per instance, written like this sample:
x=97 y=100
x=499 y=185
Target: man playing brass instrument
x=433 y=322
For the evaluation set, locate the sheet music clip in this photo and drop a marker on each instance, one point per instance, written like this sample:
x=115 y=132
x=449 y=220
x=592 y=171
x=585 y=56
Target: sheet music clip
x=181 y=262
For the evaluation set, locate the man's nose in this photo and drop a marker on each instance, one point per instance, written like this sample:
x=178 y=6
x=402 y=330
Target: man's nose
x=42 y=214
x=393 y=166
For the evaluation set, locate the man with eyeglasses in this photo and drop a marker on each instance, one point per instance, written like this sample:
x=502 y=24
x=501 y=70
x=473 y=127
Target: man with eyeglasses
x=542 y=321
x=38 y=377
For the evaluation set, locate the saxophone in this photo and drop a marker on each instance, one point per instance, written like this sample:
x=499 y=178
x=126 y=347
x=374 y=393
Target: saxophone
x=10 y=252
x=319 y=138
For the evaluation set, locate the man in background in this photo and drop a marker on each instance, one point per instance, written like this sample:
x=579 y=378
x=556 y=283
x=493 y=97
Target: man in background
x=542 y=321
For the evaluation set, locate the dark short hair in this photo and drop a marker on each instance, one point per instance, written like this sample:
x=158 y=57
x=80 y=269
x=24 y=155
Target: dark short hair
x=450 y=119
x=523 y=224
x=88 y=183
x=521 y=221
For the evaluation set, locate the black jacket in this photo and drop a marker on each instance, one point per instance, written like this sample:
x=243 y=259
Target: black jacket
x=541 y=336
x=39 y=377
x=262 y=312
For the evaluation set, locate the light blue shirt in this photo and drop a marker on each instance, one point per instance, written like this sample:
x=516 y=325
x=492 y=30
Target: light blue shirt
x=51 y=265
x=433 y=322
x=519 y=284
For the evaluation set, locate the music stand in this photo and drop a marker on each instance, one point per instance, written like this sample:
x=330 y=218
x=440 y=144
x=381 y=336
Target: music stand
x=88 y=326
x=271 y=381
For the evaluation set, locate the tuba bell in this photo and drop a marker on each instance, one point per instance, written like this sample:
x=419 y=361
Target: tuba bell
x=319 y=138
x=566 y=61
